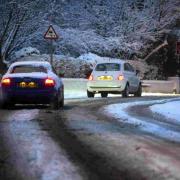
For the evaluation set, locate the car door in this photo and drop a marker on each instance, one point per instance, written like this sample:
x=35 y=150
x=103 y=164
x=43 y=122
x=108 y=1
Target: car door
x=134 y=78
x=128 y=76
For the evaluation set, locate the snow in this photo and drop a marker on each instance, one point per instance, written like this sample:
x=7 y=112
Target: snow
x=94 y=58
x=41 y=156
x=169 y=109
x=120 y=111
x=32 y=63
x=91 y=58
x=79 y=91
x=27 y=51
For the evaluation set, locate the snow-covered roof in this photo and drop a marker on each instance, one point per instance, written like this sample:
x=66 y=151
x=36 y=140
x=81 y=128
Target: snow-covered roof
x=31 y=63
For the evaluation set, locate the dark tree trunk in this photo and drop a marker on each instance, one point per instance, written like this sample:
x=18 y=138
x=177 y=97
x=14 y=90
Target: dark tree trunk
x=3 y=66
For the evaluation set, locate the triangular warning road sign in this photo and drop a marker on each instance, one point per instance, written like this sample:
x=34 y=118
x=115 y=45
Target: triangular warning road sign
x=51 y=33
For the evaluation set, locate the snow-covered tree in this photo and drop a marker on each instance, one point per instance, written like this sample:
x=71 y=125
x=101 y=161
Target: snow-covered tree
x=13 y=14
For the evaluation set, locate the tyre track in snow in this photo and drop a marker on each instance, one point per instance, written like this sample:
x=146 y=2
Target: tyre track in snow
x=140 y=115
x=31 y=152
x=75 y=138
x=81 y=129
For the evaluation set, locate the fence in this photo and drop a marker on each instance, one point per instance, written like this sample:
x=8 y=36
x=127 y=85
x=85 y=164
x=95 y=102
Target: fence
x=172 y=85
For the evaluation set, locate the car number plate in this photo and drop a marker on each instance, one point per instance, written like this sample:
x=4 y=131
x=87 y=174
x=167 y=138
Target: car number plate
x=27 y=85
x=105 y=78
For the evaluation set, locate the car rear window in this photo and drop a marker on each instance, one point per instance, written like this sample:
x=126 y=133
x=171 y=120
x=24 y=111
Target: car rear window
x=28 y=69
x=108 y=67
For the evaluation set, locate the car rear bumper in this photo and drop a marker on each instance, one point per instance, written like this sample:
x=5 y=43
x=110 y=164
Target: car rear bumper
x=29 y=96
x=106 y=86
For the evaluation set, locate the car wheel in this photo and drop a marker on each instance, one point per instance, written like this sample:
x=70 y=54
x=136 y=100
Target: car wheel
x=55 y=103
x=104 y=94
x=90 y=94
x=61 y=103
x=139 y=91
x=125 y=93
x=7 y=105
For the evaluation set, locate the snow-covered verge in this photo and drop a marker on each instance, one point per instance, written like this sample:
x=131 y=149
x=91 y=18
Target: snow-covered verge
x=120 y=111
x=169 y=109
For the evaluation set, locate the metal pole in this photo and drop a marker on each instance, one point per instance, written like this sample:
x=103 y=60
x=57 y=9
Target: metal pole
x=51 y=54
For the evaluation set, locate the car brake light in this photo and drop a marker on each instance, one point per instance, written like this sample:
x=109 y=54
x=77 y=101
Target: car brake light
x=90 y=78
x=49 y=82
x=120 y=77
x=6 y=82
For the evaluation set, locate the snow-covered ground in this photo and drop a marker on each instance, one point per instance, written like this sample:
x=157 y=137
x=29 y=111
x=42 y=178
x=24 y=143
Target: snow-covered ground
x=166 y=107
x=74 y=94
x=40 y=155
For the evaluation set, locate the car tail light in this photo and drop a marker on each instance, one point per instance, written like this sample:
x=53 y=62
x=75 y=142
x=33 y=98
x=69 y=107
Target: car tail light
x=49 y=82
x=90 y=78
x=6 y=82
x=120 y=77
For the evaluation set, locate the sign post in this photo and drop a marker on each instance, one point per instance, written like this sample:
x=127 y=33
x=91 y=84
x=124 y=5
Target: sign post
x=178 y=54
x=178 y=48
x=51 y=35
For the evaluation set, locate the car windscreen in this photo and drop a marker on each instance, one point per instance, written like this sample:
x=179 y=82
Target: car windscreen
x=28 y=69
x=108 y=67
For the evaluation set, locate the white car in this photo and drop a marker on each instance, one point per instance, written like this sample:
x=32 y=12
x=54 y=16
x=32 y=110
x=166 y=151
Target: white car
x=115 y=77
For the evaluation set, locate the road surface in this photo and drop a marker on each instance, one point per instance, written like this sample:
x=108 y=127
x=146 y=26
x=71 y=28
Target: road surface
x=83 y=142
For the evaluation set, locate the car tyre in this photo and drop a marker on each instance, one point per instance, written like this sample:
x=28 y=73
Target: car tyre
x=90 y=94
x=139 y=91
x=61 y=103
x=125 y=93
x=104 y=95
x=55 y=103
x=7 y=105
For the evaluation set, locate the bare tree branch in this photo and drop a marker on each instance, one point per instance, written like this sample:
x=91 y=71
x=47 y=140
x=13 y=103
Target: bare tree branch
x=165 y=43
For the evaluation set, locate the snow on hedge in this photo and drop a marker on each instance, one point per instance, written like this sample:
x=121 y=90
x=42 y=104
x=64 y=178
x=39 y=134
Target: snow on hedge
x=91 y=58
x=27 y=51
x=81 y=66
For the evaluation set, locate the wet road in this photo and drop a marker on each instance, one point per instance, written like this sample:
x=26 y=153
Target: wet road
x=82 y=142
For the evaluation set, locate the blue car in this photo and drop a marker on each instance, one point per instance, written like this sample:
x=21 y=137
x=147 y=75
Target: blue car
x=32 y=82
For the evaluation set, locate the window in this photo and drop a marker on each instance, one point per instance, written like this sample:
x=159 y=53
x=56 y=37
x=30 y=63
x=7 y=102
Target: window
x=128 y=67
x=28 y=69
x=108 y=67
x=131 y=68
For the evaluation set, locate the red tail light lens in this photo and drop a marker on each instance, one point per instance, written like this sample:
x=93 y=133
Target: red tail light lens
x=120 y=77
x=90 y=78
x=49 y=82
x=6 y=82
